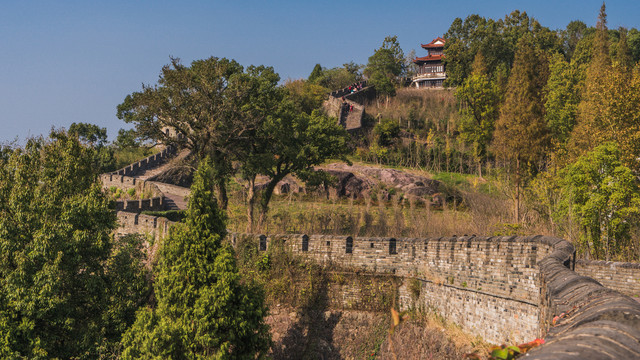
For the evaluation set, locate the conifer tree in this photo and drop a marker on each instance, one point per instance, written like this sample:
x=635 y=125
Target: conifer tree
x=591 y=111
x=203 y=309
x=521 y=135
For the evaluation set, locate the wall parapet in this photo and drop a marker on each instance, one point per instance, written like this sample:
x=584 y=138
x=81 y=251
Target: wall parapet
x=154 y=203
x=505 y=289
x=134 y=223
x=591 y=321
x=620 y=276
x=147 y=163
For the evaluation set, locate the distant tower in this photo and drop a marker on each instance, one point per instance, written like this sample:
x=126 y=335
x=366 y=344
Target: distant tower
x=431 y=73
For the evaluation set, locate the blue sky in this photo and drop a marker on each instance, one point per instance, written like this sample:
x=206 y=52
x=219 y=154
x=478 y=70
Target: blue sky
x=75 y=61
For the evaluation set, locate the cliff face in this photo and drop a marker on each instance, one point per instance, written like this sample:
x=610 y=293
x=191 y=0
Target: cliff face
x=352 y=334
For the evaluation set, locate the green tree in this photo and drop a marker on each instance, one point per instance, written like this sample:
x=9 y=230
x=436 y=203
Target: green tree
x=521 y=134
x=306 y=95
x=203 y=311
x=290 y=142
x=90 y=134
x=571 y=36
x=563 y=96
x=56 y=235
x=633 y=39
x=480 y=98
x=336 y=78
x=96 y=137
x=315 y=73
x=386 y=131
x=385 y=65
x=603 y=195
x=215 y=107
x=127 y=139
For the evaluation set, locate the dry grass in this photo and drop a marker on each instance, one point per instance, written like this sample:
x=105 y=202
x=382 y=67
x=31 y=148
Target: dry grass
x=419 y=108
x=481 y=214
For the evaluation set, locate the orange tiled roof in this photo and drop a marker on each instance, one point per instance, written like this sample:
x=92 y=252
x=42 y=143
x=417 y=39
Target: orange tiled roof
x=428 y=58
x=433 y=44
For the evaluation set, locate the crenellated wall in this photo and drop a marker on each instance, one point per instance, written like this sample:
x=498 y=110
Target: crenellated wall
x=154 y=203
x=147 y=163
x=505 y=289
x=619 y=276
x=132 y=223
x=488 y=285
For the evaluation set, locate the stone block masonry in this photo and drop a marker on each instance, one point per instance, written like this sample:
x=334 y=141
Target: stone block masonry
x=505 y=289
x=147 y=163
x=619 y=276
x=132 y=223
x=155 y=203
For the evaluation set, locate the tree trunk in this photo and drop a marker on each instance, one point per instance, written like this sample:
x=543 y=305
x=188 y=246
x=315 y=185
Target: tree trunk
x=251 y=199
x=222 y=194
x=266 y=198
x=517 y=210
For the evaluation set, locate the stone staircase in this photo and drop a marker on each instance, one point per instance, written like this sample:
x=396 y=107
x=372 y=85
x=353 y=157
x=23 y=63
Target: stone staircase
x=166 y=196
x=348 y=105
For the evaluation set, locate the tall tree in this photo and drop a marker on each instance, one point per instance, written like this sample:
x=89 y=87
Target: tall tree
x=610 y=102
x=315 y=73
x=521 y=135
x=60 y=280
x=337 y=77
x=203 y=309
x=215 y=107
x=575 y=31
x=563 y=96
x=385 y=65
x=290 y=142
x=480 y=98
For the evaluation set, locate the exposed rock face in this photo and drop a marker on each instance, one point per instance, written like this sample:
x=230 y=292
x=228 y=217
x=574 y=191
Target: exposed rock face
x=359 y=181
x=362 y=181
x=350 y=185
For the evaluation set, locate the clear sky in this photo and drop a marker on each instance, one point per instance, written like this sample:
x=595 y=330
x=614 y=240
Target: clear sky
x=74 y=61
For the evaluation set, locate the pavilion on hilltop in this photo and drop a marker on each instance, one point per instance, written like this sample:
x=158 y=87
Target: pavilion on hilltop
x=431 y=72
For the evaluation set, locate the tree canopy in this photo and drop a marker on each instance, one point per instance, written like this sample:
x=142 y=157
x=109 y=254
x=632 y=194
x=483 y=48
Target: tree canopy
x=204 y=310
x=65 y=288
x=385 y=65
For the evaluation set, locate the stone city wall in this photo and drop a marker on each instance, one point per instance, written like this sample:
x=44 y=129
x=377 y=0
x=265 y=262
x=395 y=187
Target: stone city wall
x=147 y=163
x=154 y=203
x=505 y=289
x=487 y=285
x=132 y=223
x=619 y=276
